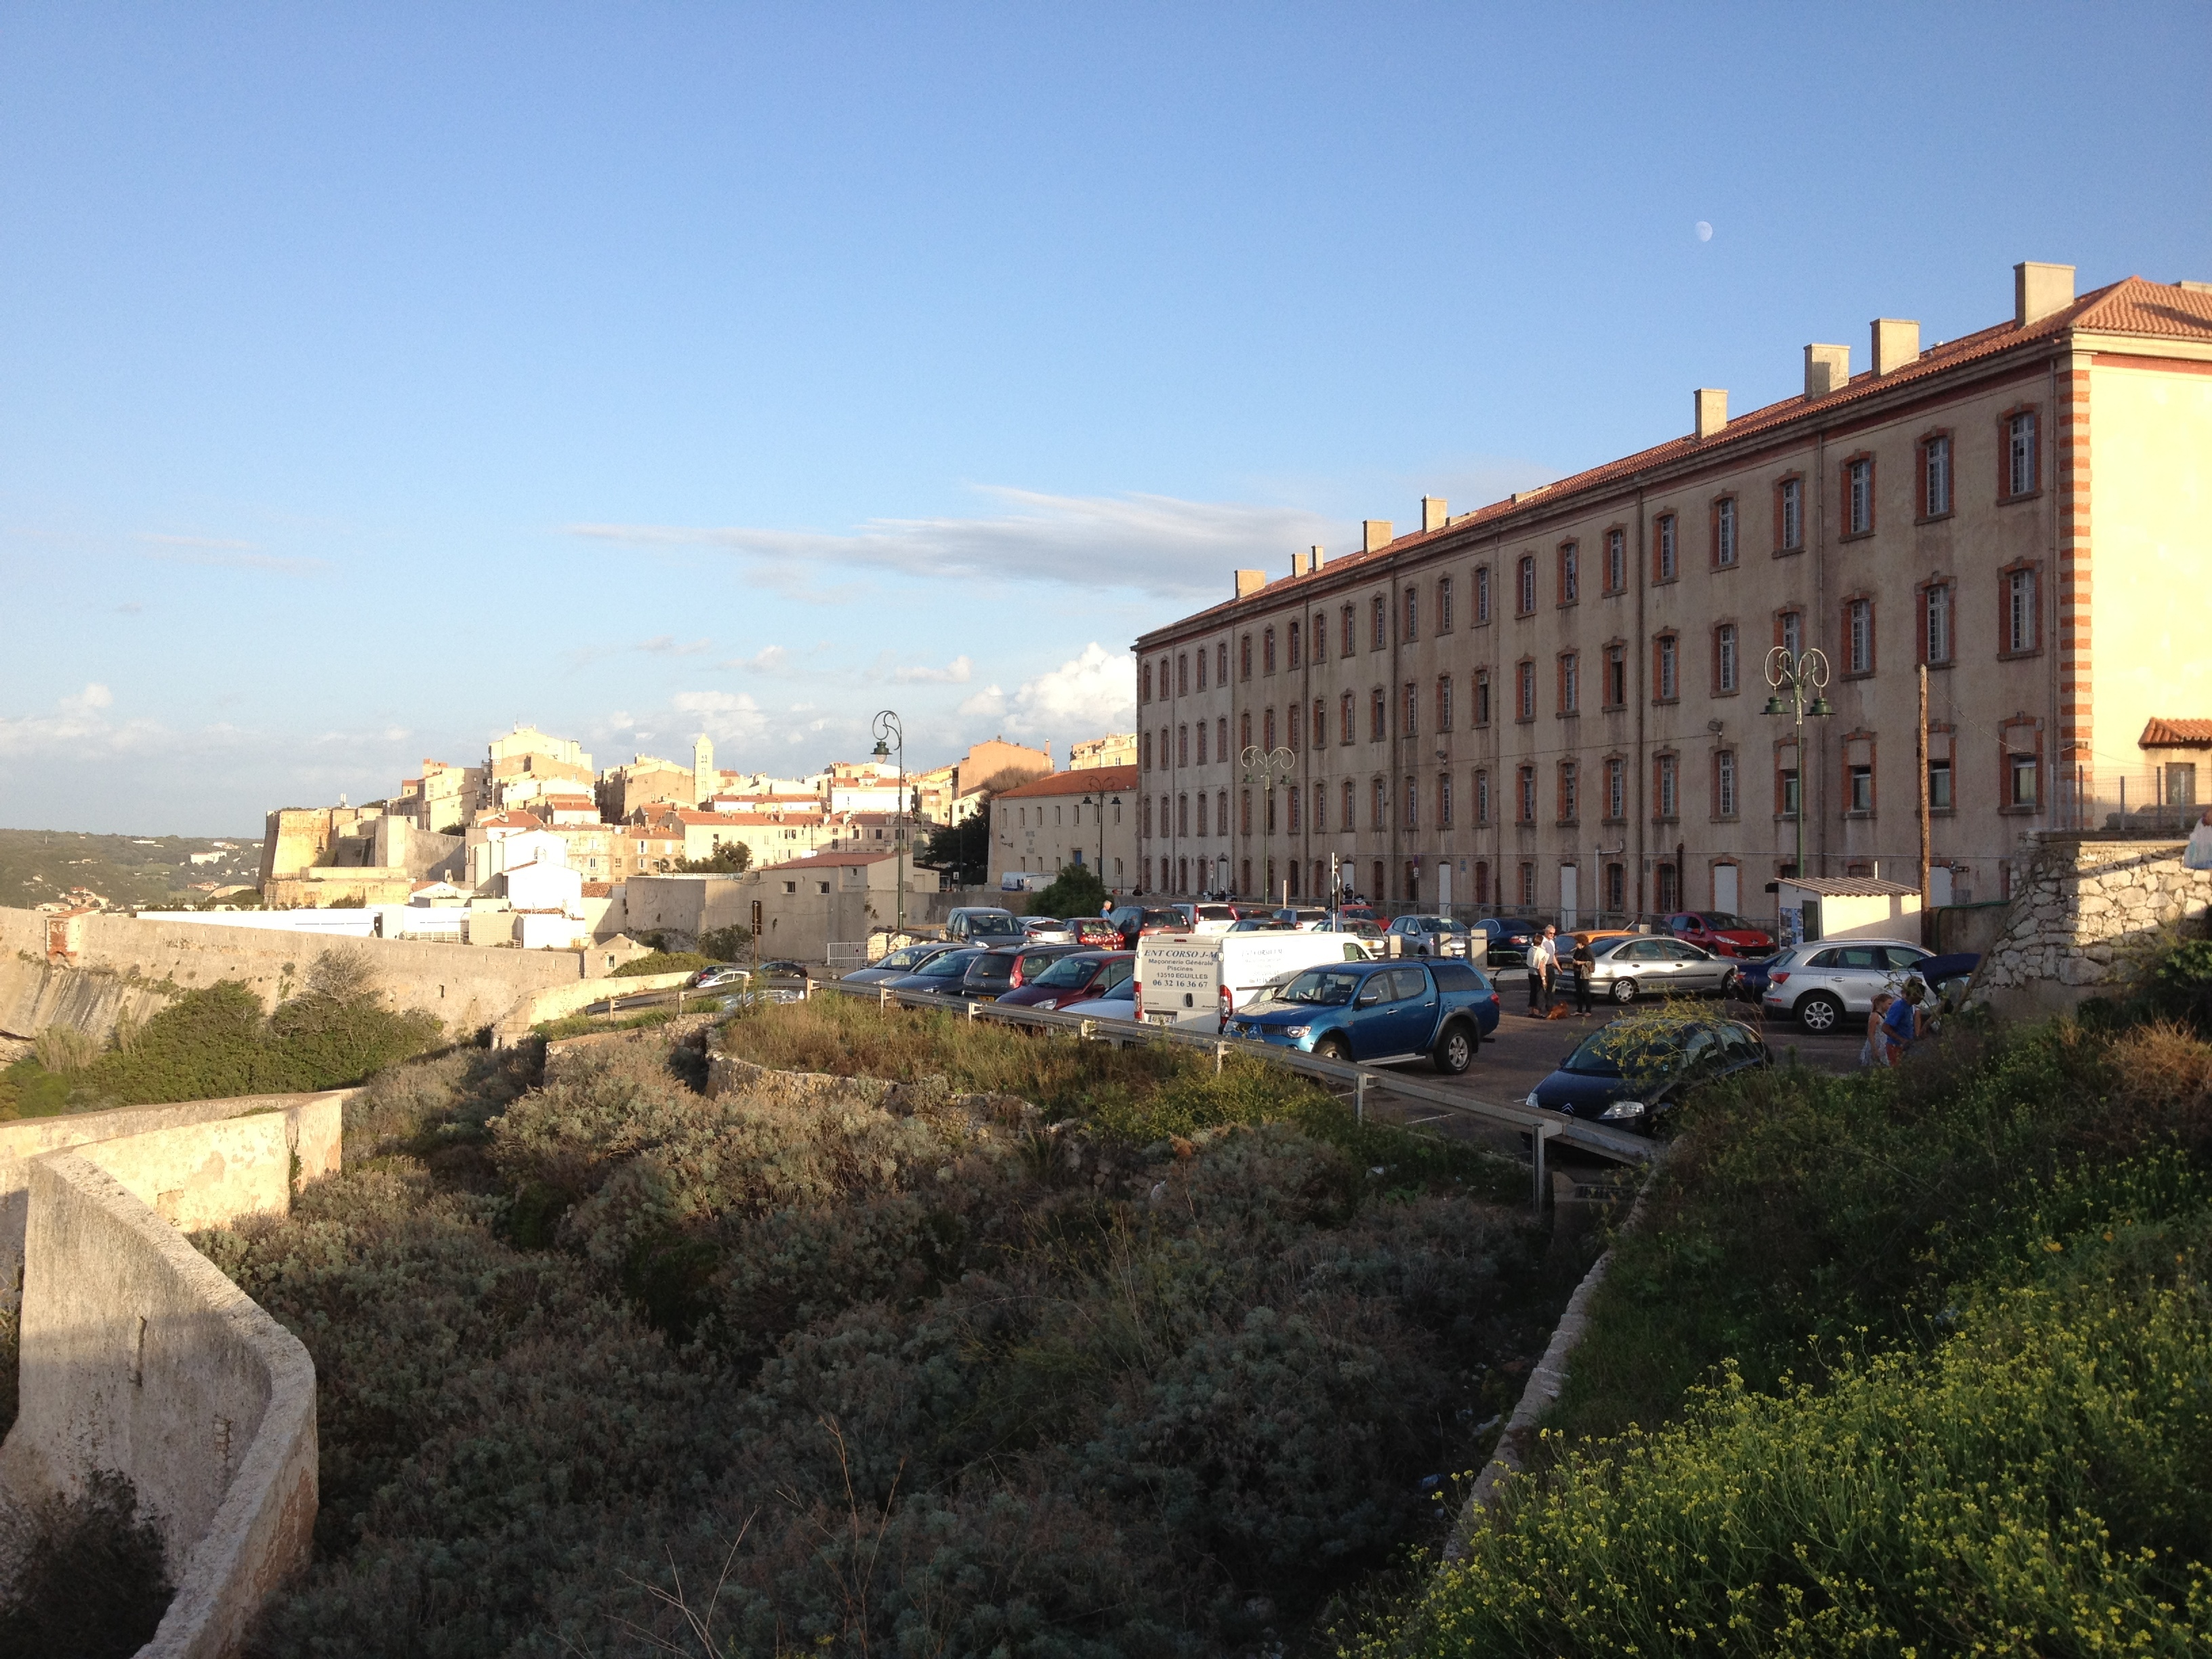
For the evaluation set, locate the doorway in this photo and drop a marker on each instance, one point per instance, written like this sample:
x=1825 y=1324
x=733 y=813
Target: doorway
x=1726 y=892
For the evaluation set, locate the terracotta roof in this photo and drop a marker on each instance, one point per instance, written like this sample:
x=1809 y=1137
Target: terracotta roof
x=2132 y=306
x=598 y=889
x=2175 y=734
x=1089 y=779
x=514 y=820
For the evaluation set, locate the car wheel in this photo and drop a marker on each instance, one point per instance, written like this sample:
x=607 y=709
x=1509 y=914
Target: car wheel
x=1729 y=977
x=1819 y=1013
x=1335 y=1048
x=1623 y=990
x=1454 y=1050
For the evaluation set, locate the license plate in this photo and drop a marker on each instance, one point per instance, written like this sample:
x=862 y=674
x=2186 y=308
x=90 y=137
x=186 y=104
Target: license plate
x=1159 y=1019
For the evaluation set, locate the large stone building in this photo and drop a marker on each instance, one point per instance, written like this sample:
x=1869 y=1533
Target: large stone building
x=1086 y=816
x=1558 y=702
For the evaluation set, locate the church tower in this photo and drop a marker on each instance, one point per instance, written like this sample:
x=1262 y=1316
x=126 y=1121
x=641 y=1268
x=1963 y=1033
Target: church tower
x=704 y=778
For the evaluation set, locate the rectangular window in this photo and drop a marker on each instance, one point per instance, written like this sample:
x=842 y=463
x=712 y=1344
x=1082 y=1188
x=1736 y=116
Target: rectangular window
x=1939 y=786
x=1221 y=663
x=1443 y=800
x=1382 y=630
x=1293 y=796
x=1859 y=637
x=1793 y=632
x=1524 y=576
x=1202 y=655
x=1413 y=804
x=1725 y=531
x=2181 y=783
x=1665 y=785
x=1345 y=725
x=1858 y=495
x=1482 y=592
x=1443 y=702
x=1665 y=668
x=1349 y=641
x=1571 y=576
x=1297 y=656
x=1570 y=683
x=1524 y=691
x=1443 y=605
x=1320 y=723
x=1378 y=716
x=1482 y=796
x=1935 y=476
x=2019 y=454
x=1786 y=791
x=1724 y=659
x=1183 y=675
x=1201 y=819
x=1482 y=697
x=1724 y=784
x=1569 y=793
x=1267 y=651
x=1382 y=807
x=1351 y=800
x=1665 y=555
x=1202 y=737
x=1862 y=785
x=1244 y=657
x=1616 y=677
x=1616 y=561
x=1528 y=886
x=1145 y=684
x=1183 y=745
x=1319 y=636
x=2021 y=614
x=1413 y=613
x=1790 y=510
x=1268 y=730
x=1413 y=708
x=1935 y=636
x=1524 y=803
x=1616 y=790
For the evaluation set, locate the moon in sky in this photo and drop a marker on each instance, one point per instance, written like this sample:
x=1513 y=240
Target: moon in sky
x=1705 y=231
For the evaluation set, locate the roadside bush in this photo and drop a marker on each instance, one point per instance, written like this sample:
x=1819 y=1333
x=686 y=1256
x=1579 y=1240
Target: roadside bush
x=1075 y=892
x=663 y=962
x=65 y=1049
x=91 y=1584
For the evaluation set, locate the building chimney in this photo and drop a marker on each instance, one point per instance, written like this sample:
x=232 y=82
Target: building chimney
x=1710 y=404
x=1314 y=560
x=1375 y=534
x=1250 y=582
x=2039 y=290
x=1827 y=368
x=1298 y=565
x=1896 y=344
x=1435 y=513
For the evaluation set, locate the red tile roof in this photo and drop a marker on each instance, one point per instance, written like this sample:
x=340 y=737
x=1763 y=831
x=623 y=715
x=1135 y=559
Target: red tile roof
x=1089 y=779
x=598 y=889
x=2175 y=734
x=2133 y=305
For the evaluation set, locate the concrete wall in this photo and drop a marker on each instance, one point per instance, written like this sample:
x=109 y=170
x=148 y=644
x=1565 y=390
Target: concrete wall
x=191 y=1183
x=138 y=1356
x=559 y=1001
x=2087 y=914
x=466 y=988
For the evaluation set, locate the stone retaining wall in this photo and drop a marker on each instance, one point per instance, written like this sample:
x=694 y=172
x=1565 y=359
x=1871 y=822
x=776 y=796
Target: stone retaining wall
x=2087 y=912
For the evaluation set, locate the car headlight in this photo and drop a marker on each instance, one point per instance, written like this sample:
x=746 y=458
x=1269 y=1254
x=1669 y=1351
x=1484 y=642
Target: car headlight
x=1532 y=1103
x=1294 y=1031
x=1622 y=1108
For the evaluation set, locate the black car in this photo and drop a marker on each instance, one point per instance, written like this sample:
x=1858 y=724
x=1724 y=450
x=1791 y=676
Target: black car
x=1510 y=939
x=940 y=976
x=1631 y=1073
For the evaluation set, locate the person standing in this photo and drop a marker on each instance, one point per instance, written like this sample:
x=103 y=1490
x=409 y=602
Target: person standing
x=1902 y=1024
x=1875 y=1051
x=1585 y=966
x=1537 y=960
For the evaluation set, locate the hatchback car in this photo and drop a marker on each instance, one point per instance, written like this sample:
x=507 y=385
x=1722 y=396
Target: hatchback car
x=1209 y=918
x=1136 y=921
x=945 y=968
x=1306 y=918
x=1509 y=938
x=1821 y=984
x=1047 y=930
x=1095 y=933
x=718 y=975
x=1117 y=1002
x=1075 y=978
x=983 y=924
x=896 y=965
x=1721 y=933
x=1643 y=964
x=1431 y=935
x=1622 y=1076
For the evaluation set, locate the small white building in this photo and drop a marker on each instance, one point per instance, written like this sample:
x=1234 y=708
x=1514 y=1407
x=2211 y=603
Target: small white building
x=1846 y=907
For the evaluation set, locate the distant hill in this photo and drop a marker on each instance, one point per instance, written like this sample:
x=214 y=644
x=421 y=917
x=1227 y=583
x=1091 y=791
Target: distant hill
x=38 y=865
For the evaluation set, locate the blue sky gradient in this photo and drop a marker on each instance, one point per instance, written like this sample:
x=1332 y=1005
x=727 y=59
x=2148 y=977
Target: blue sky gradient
x=372 y=380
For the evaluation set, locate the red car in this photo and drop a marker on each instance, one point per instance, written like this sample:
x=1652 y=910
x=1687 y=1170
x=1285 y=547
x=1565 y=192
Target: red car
x=1073 y=979
x=1723 y=934
x=1097 y=934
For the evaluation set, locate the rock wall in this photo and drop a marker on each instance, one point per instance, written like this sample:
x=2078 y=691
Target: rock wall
x=121 y=963
x=2087 y=912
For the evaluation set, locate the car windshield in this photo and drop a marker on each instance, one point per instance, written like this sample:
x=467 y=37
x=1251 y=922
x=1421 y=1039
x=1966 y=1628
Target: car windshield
x=1722 y=923
x=1067 y=971
x=906 y=956
x=1164 y=919
x=1601 y=1052
x=993 y=967
x=1329 y=987
x=1214 y=913
x=950 y=965
x=994 y=925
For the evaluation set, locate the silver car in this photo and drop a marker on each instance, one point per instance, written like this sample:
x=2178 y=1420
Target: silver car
x=1822 y=984
x=1647 y=965
x=1431 y=935
x=1047 y=930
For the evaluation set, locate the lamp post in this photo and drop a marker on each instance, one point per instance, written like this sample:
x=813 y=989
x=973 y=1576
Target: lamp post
x=1098 y=803
x=889 y=735
x=1266 y=767
x=1792 y=677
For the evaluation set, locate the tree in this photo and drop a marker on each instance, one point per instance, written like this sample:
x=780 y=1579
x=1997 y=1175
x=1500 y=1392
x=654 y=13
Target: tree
x=963 y=849
x=1076 y=891
x=730 y=858
x=724 y=943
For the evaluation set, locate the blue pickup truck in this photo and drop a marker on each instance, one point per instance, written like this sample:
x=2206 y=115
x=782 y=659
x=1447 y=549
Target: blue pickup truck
x=1384 y=1011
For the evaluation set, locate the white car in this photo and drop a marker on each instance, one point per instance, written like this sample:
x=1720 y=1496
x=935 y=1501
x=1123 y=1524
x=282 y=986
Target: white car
x=1047 y=930
x=1822 y=984
x=1119 y=1003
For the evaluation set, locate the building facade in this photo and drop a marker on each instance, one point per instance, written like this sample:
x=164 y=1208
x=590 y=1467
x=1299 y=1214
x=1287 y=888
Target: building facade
x=1087 y=816
x=1558 y=702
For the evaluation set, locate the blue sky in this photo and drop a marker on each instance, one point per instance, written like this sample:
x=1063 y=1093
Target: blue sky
x=373 y=378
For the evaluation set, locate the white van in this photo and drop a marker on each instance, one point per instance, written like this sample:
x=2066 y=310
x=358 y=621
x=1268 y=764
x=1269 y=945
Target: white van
x=1200 y=980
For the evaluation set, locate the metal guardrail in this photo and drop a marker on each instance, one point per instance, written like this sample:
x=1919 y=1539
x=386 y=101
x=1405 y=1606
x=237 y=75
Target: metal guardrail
x=1540 y=1126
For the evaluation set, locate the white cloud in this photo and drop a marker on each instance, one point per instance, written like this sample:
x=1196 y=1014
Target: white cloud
x=95 y=696
x=1085 y=696
x=958 y=671
x=1157 y=544
x=726 y=716
x=767 y=661
x=79 y=725
x=990 y=701
x=665 y=645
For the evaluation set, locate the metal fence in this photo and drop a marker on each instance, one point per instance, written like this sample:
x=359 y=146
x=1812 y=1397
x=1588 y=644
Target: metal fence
x=2156 y=801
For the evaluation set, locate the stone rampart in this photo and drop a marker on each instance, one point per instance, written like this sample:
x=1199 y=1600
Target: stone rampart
x=2088 y=912
x=138 y=1356
x=138 y=964
x=193 y=1182
x=558 y=1001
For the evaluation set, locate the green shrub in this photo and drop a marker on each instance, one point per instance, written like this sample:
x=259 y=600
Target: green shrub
x=1075 y=892
x=91 y=1583
x=726 y=944
x=663 y=962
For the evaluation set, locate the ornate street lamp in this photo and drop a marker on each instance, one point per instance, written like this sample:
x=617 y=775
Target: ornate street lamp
x=889 y=735
x=1267 y=768
x=1098 y=804
x=1792 y=679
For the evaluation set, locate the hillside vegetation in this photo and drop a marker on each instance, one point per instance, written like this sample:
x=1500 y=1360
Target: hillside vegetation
x=1162 y=1369
x=1910 y=1362
x=38 y=865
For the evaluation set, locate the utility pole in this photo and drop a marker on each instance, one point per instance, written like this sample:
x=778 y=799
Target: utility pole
x=1920 y=751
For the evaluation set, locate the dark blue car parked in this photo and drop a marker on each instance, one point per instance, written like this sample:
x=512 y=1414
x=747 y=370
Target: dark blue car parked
x=1632 y=1077
x=1437 y=1009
